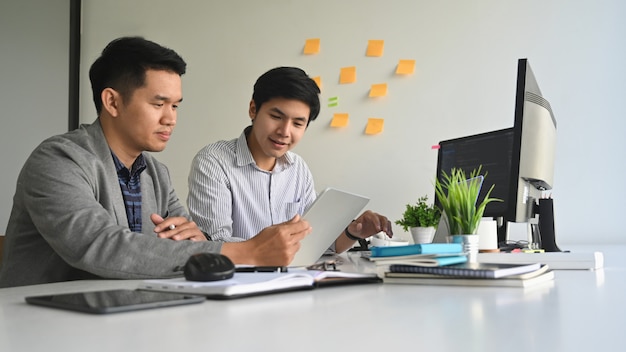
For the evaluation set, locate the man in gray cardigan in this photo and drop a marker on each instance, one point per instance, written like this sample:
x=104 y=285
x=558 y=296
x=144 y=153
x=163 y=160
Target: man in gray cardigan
x=91 y=204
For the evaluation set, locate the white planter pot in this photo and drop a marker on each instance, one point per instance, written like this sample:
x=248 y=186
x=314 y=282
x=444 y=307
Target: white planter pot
x=470 y=245
x=422 y=234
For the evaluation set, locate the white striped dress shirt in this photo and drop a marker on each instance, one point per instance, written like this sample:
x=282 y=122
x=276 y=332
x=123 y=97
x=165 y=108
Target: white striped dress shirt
x=231 y=199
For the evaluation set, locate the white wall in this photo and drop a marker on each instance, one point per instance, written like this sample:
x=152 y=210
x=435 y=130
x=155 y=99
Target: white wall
x=466 y=53
x=34 y=54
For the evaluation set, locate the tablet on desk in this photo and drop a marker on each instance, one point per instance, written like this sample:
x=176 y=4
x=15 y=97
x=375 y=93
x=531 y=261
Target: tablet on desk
x=113 y=301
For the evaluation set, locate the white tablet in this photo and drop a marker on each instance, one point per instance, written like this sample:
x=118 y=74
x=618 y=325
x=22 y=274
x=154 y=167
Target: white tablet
x=329 y=215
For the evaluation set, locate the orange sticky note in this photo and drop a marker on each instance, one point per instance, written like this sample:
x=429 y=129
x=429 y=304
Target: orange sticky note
x=378 y=90
x=318 y=81
x=312 y=46
x=339 y=120
x=374 y=125
x=347 y=75
x=405 y=67
x=375 y=47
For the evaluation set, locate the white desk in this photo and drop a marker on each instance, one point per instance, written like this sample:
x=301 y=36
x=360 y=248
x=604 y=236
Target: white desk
x=580 y=311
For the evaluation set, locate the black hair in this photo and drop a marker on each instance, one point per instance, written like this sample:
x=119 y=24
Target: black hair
x=289 y=83
x=123 y=64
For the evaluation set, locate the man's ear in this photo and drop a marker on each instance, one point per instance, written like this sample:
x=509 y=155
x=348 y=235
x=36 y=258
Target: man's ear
x=111 y=101
x=252 y=110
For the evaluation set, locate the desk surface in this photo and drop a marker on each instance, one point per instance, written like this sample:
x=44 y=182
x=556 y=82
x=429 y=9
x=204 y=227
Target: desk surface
x=581 y=310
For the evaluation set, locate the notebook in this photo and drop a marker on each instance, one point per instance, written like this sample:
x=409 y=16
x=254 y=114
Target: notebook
x=420 y=248
x=533 y=278
x=240 y=285
x=246 y=284
x=329 y=215
x=468 y=270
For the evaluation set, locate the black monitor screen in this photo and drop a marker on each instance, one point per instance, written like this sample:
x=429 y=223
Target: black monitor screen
x=493 y=150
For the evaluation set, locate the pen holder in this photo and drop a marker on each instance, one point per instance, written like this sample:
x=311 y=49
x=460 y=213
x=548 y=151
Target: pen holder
x=546 y=225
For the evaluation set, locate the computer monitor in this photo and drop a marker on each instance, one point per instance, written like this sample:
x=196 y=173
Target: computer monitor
x=518 y=160
x=494 y=151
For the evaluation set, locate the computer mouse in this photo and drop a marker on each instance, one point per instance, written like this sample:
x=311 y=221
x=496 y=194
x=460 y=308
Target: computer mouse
x=209 y=267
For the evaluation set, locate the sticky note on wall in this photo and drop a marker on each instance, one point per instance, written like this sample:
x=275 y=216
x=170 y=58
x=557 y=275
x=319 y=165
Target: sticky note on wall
x=378 y=90
x=347 y=75
x=339 y=120
x=312 y=46
x=405 y=67
x=318 y=81
x=375 y=47
x=374 y=126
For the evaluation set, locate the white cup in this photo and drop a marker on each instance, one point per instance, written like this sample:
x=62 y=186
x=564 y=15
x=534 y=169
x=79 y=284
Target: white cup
x=487 y=234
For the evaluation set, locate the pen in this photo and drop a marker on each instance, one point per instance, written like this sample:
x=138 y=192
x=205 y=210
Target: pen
x=261 y=269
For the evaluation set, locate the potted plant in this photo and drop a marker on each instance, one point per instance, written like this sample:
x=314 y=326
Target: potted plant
x=461 y=208
x=421 y=220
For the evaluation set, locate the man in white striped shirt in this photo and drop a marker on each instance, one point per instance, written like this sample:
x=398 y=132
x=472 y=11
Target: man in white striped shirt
x=239 y=187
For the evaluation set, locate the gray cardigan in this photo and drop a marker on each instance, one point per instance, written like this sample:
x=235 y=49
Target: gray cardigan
x=68 y=219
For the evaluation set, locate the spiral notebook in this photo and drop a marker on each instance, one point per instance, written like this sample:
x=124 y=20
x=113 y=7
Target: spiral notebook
x=469 y=270
x=534 y=278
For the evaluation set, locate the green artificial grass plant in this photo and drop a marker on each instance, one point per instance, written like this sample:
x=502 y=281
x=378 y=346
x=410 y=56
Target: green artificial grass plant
x=458 y=196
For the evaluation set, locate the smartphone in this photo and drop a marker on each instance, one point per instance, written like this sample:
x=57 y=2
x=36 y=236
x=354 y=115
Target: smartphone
x=114 y=301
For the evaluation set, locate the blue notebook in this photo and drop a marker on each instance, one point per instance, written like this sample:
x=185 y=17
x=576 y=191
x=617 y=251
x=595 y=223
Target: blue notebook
x=457 y=259
x=425 y=248
x=420 y=259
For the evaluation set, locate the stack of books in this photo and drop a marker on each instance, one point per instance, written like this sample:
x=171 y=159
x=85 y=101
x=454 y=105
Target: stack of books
x=422 y=255
x=445 y=264
x=471 y=274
